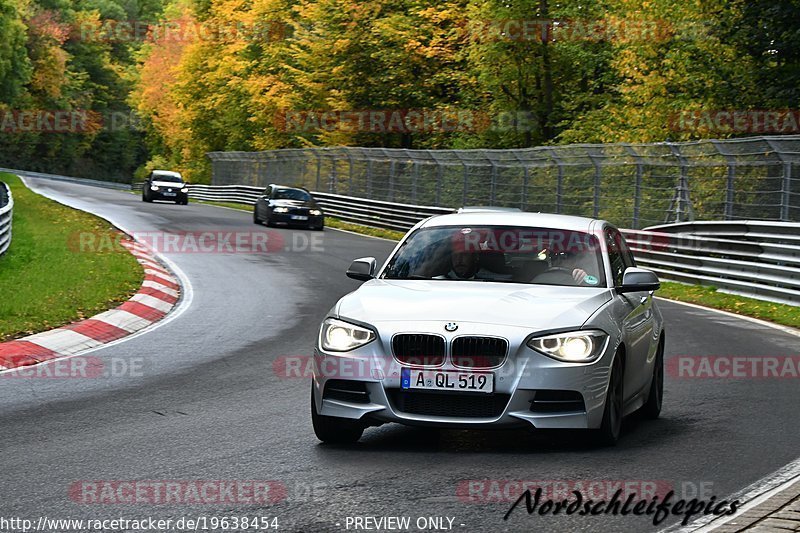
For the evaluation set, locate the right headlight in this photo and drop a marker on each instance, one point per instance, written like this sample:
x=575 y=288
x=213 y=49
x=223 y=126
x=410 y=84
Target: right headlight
x=280 y=210
x=154 y=187
x=572 y=347
x=339 y=336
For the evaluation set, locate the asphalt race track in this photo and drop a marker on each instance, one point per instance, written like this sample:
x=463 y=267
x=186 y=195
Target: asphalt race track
x=207 y=404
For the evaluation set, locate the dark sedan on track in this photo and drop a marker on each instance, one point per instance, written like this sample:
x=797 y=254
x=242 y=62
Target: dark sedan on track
x=165 y=185
x=288 y=206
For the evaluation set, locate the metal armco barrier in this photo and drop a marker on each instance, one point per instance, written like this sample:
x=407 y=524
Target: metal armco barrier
x=759 y=259
x=387 y=215
x=6 y=213
x=751 y=258
x=82 y=181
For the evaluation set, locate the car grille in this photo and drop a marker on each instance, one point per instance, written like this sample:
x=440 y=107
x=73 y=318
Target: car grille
x=346 y=391
x=418 y=349
x=479 y=352
x=456 y=405
x=557 y=401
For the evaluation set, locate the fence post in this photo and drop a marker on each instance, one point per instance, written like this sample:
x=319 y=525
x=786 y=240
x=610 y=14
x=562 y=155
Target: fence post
x=369 y=178
x=597 y=178
x=319 y=170
x=392 y=169
x=332 y=176
x=350 y=178
x=729 y=191
x=414 y=178
x=464 y=189
x=493 y=188
x=786 y=192
x=439 y=178
x=523 y=203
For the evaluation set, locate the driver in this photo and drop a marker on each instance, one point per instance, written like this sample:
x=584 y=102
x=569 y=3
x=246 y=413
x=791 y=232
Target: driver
x=570 y=261
x=464 y=260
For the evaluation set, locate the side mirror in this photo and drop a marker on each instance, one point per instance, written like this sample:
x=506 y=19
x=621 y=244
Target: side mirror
x=362 y=269
x=639 y=280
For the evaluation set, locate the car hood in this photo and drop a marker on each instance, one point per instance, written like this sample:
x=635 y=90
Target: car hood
x=530 y=306
x=293 y=203
x=169 y=184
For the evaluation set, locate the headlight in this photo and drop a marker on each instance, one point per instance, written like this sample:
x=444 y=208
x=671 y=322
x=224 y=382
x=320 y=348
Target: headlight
x=338 y=336
x=315 y=212
x=185 y=189
x=574 y=347
x=154 y=187
x=280 y=210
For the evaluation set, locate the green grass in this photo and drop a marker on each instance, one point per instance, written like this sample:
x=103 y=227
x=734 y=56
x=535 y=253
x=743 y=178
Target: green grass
x=787 y=315
x=47 y=279
x=364 y=230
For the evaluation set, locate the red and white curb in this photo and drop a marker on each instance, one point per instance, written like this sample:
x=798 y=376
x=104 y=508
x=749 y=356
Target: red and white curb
x=157 y=296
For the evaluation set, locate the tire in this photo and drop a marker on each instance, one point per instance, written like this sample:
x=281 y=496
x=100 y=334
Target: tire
x=146 y=199
x=256 y=220
x=652 y=407
x=332 y=429
x=611 y=427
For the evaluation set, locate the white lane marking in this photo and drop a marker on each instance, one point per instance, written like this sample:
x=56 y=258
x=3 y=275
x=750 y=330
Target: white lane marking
x=753 y=496
x=785 y=329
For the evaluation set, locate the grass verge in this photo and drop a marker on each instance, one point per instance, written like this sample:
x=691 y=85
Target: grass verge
x=46 y=280
x=786 y=315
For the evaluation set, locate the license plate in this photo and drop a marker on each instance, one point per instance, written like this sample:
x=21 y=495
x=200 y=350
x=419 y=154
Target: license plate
x=170 y=194
x=446 y=380
x=299 y=217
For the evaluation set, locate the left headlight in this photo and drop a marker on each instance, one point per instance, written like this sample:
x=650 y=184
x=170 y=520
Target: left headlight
x=338 y=336
x=573 y=347
x=315 y=212
x=185 y=189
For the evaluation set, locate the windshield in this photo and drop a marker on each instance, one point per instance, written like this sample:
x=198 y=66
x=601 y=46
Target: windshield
x=539 y=256
x=167 y=178
x=291 y=194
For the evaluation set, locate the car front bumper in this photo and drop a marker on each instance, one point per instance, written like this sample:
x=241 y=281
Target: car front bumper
x=314 y=221
x=524 y=387
x=174 y=196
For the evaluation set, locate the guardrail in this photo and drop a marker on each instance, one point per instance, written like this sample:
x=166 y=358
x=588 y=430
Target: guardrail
x=758 y=259
x=755 y=259
x=6 y=213
x=81 y=181
x=387 y=215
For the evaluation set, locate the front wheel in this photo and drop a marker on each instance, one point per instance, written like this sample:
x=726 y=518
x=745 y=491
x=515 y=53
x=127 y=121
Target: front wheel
x=611 y=427
x=332 y=429
x=652 y=408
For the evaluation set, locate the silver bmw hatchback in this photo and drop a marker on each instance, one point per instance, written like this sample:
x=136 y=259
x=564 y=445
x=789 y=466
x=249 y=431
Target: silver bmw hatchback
x=493 y=320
